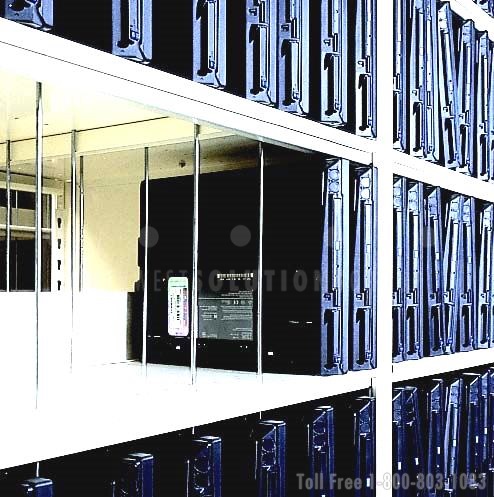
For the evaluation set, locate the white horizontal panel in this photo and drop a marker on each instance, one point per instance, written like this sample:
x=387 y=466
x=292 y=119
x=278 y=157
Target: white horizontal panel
x=47 y=58
x=435 y=175
x=468 y=9
x=429 y=366
x=74 y=420
x=18 y=345
x=131 y=136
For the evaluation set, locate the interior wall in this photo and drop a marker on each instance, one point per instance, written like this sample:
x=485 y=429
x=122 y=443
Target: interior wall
x=111 y=231
x=112 y=220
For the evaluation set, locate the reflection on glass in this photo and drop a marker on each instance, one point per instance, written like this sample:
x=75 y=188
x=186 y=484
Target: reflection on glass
x=22 y=241
x=3 y=235
x=91 y=308
x=169 y=235
x=3 y=259
x=229 y=194
x=21 y=267
x=107 y=347
x=295 y=256
x=17 y=261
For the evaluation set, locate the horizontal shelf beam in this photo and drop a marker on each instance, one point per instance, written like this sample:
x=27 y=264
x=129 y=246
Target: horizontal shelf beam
x=431 y=366
x=46 y=58
x=435 y=175
x=468 y=9
x=74 y=422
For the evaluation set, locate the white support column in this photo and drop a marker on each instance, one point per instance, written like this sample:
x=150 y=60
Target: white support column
x=260 y=265
x=74 y=273
x=8 y=221
x=38 y=222
x=144 y=276
x=382 y=383
x=194 y=301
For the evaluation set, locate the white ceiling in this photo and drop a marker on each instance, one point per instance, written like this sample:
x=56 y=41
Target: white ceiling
x=63 y=109
x=173 y=159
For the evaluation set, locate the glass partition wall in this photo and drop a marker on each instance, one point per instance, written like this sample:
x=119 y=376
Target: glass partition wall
x=107 y=348
x=167 y=214
x=19 y=234
x=128 y=245
x=131 y=251
x=229 y=213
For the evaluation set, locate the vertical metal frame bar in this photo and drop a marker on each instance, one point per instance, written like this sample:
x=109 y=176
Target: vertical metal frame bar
x=38 y=220
x=73 y=233
x=382 y=384
x=8 y=165
x=144 y=359
x=194 y=330
x=260 y=265
x=81 y=224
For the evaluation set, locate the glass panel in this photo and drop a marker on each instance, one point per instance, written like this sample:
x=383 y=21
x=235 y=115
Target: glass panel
x=107 y=350
x=93 y=214
x=55 y=299
x=3 y=230
x=17 y=247
x=229 y=195
x=293 y=262
x=3 y=252
x=170 y=256
x=319 y=264
x=22 y=260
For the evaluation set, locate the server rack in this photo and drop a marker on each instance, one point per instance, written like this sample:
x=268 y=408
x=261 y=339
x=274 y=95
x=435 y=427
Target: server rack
x=471 y=433
x=317 y=314
x=484 y=303
x=451 y=270
x=399 y=213
x=209 y=35
x=434 y=325
x=433 y=430
x=330 y=95
x=136 y=476
x=132 y=34
x=363 y=58
x=222 y=348
x=399 y=447
x=293 y=56
x=432 y=79
x=453 y=419
x=364 y=444
x=34 y=13
x=270 y=460
x=261 y=41
x=362 y=339
x=413 y=282
x=482 y=150
x=467 y=284
x=204 y=467
x=400 y=82
x=466 y=111
x=37 y=487
x=448 y=89
x=321 y=451
x=415 y=124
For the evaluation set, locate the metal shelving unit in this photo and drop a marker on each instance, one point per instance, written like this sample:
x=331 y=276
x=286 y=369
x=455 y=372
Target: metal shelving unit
x=76 y=423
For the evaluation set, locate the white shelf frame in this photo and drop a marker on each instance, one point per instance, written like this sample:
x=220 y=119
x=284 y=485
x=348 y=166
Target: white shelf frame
x=410 y=370
x=50 y=59
x=76 y=423
x=62 y=430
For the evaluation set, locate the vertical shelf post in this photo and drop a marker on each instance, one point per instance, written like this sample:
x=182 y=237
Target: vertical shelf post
x=382 y=383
